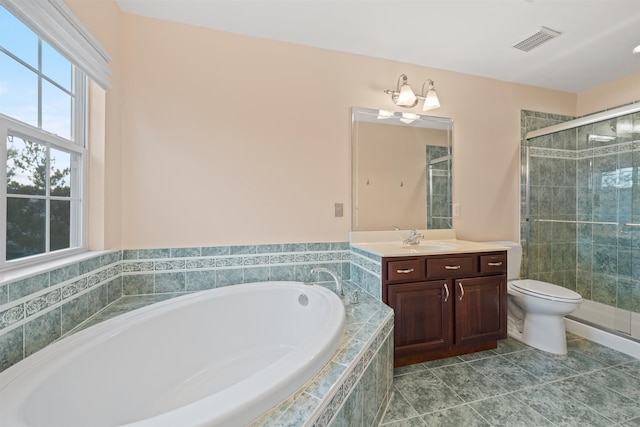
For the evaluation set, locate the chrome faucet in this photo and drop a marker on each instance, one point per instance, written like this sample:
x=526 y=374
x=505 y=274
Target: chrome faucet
x=413 y=239
x=336 y=279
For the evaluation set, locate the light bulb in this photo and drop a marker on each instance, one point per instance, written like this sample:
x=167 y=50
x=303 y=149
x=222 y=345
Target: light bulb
x=406 y=97
x=431 y=101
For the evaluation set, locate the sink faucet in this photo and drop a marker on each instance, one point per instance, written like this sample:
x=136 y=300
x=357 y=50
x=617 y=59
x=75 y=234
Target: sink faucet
x=413 y=239
x=336 y=279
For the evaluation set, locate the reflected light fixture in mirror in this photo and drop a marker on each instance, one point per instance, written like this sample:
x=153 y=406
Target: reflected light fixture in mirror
x=409 y=117
x=404 y=96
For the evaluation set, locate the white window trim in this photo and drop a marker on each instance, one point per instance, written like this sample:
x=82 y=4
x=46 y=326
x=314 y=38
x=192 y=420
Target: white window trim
x=9 y=125
x=56 y=23
x=79 y=185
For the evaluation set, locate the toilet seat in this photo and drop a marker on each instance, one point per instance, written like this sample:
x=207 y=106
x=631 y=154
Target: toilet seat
x=545 y=290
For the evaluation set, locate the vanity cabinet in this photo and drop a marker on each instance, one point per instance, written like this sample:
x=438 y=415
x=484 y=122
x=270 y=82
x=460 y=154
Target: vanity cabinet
x=445 y=305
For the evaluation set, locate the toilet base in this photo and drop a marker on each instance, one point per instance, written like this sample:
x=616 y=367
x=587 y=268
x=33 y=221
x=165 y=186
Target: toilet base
x=544 y=332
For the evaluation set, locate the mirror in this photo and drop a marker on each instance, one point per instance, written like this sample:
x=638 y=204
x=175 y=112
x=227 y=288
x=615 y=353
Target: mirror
x=400 y=171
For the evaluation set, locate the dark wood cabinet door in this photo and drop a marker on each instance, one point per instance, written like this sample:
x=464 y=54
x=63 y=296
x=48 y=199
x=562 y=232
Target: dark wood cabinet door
x=422 y=316
x=480 y=305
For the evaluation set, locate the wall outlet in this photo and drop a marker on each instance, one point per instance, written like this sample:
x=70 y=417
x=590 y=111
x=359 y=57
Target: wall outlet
x=339 y=210
x=455 y=209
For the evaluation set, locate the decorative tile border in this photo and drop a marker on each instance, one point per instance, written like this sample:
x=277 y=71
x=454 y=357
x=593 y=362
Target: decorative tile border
x=367 y=261
x=229 y=266
x=221 y=261
x=366 y=272
x=382 y=340
x=352 y=365
x=11 y=315
x=608 y=150
x=552 y=153
x=70 y=282
x=439 y=172
x=158 y=271
x=21 y=310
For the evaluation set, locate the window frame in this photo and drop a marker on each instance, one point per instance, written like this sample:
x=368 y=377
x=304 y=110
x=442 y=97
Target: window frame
x=77 y=145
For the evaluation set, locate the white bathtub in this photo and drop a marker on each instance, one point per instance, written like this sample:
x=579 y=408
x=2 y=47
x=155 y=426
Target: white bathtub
x=220 y=357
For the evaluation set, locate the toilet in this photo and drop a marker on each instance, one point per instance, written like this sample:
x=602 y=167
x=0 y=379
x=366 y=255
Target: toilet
x=535 y=309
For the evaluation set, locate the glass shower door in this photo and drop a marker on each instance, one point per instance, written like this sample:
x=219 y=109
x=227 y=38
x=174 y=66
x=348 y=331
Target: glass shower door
x=631 y=228
x=609 y=159
x=582 y=216
x=625 y=187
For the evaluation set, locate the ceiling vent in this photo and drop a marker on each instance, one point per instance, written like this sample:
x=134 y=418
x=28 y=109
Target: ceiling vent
x=544 y=35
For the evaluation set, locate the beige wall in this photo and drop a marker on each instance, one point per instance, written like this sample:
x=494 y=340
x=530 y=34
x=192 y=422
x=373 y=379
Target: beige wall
x=103 y=17
x=227 y=139
x=613 y=94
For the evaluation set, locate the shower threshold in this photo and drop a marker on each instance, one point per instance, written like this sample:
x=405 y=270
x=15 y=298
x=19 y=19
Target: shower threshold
x=607 y=325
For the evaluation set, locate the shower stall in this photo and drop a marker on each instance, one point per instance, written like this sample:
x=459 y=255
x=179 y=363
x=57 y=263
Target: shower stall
x=580 y=213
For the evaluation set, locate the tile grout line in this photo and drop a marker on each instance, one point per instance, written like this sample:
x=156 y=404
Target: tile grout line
x=602 y=360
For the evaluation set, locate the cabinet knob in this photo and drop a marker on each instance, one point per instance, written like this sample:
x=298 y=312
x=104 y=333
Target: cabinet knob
x=406 y=271
x=452 y=267
x=494 y=264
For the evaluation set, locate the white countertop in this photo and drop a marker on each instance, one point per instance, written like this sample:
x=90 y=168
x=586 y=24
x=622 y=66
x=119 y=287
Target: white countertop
x=436 y=242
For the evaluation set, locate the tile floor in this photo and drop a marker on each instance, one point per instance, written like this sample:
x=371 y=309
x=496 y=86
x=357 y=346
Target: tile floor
x=516 y=385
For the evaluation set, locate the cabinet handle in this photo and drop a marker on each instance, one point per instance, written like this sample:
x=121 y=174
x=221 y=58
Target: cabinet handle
x=446 y=292
x=407 y=271
x=452 y=267
x=494 y=264
x=461 y=291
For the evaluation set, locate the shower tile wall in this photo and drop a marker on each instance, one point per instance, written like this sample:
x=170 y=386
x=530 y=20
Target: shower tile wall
x=439 y=188
x=553 y=197
x=574 y=179
x=550 y=254
x=608 y=179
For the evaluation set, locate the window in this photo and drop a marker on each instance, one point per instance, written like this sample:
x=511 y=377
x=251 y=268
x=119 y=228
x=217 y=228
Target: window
x=42 y=121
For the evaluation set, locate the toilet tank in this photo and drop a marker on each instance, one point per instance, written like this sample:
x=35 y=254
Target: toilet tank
x=514 y=258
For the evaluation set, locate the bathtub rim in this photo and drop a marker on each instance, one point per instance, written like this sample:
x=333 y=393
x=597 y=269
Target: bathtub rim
x=103 y=331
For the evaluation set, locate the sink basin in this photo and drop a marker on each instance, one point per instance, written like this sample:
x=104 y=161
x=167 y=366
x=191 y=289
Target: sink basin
x=426 y=246
x=429 y=246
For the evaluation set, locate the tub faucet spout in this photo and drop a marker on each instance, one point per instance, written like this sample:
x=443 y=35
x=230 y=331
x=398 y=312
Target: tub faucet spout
x=336 y=279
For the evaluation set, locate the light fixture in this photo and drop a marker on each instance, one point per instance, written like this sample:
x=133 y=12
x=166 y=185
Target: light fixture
x=431 y=101
x=404 y=96
x=636 y=50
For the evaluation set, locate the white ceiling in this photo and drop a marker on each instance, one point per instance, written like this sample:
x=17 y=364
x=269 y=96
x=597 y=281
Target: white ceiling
x=467 y=36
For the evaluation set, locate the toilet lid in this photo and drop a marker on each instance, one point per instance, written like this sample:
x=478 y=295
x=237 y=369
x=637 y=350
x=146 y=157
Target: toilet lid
x=545 y=290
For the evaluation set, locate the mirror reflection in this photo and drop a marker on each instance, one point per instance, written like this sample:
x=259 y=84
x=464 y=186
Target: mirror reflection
x=401 y=170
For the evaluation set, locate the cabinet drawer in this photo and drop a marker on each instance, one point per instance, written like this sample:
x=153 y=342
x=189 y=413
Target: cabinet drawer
x=493 y=263
x=450 y=267
x=404 y=270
